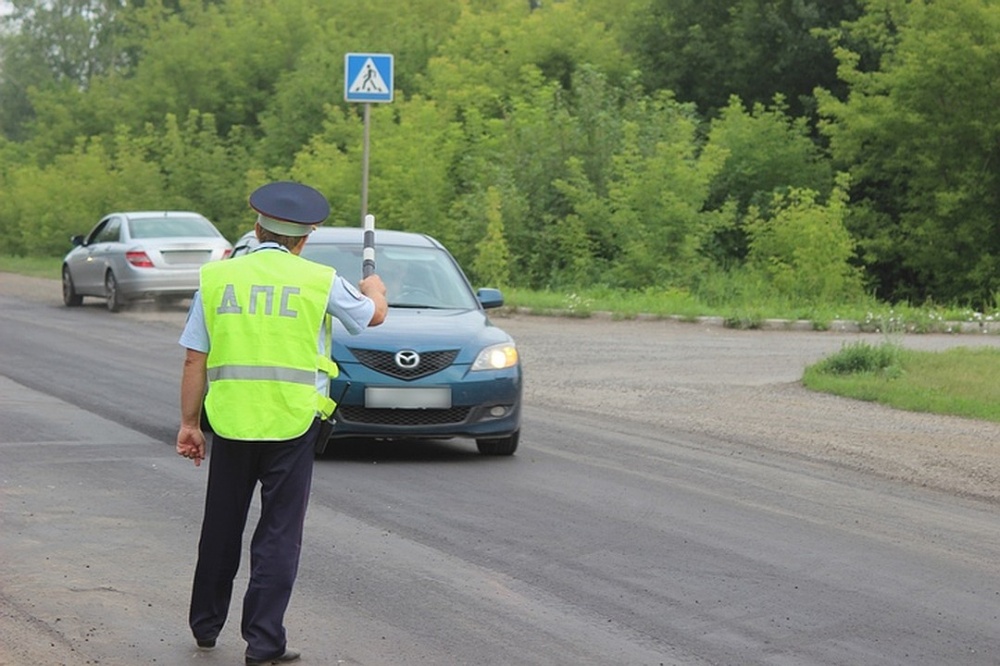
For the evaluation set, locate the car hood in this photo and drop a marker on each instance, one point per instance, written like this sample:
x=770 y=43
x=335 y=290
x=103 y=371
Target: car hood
x=424 y=329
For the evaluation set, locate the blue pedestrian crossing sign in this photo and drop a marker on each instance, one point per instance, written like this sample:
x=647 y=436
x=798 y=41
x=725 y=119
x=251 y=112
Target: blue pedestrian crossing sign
x=368 y=77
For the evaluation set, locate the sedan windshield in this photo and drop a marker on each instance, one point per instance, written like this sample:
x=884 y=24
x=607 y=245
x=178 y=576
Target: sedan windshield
x=415 y=277
x=171 y=227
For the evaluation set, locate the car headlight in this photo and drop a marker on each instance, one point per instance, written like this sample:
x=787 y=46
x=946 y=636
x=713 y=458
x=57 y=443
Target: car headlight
x=496 y=357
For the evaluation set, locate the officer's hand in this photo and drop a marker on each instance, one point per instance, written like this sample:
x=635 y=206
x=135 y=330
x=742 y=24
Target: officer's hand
x=191 y=443
x=372 y=286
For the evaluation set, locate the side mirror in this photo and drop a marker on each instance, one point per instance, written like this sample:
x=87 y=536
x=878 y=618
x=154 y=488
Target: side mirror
x=76 y=240
x=490 y=298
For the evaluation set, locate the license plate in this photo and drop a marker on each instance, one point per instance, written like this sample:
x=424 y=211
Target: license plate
x=408 y=398
x=186 y=257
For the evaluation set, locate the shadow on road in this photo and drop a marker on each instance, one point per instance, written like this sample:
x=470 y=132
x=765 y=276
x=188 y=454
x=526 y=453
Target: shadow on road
x=400 y=451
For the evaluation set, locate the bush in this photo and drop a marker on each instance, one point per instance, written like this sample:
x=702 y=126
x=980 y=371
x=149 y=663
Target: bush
x=861 y=357
x=804 y=249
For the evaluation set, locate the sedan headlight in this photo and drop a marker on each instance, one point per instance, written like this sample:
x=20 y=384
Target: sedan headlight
x=496 y=357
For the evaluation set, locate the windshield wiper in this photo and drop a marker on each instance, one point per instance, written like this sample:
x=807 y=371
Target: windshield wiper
x=417 y=306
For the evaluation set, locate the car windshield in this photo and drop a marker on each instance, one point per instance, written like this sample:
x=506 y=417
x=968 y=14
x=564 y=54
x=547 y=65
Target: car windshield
x=415 y=277
x=171 y=227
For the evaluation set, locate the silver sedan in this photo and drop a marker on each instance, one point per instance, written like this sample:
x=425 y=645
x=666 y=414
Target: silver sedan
x=134 y=255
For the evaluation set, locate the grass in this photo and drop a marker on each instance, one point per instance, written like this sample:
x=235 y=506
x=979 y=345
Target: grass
x=621 y=304
x=44 y=267
x=749 y=310
x=961 y=381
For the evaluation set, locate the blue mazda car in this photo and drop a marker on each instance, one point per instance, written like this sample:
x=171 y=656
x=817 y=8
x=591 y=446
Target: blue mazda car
x=438 y=367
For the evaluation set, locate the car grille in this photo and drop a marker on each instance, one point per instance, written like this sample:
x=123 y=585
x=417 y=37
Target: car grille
x=402 y=417
x=385 y=362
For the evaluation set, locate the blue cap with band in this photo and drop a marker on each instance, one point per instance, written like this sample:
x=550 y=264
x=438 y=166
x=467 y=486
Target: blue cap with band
x=289 y=209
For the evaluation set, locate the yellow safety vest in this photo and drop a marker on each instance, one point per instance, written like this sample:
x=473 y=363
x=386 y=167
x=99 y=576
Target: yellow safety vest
x=264 y=313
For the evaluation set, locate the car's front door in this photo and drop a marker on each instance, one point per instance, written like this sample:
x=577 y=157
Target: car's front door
x=91 y=263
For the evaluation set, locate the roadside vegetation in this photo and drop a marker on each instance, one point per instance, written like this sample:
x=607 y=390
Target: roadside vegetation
x=742 y=159
x=737 y=304
x=789 y=151
x=42 y=267
x=960 y=381
x=744 y=308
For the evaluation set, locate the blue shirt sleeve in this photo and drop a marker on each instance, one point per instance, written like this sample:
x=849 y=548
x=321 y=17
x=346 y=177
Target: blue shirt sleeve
x=195 y=334
x=347 y=304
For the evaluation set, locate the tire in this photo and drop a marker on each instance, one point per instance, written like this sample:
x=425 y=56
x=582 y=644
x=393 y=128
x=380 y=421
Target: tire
x=501 y=446
x=71 y=299
x=111 y=293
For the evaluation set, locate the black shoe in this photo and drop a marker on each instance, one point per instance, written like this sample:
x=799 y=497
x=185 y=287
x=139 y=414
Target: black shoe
x=205 y=643
x=290 y=655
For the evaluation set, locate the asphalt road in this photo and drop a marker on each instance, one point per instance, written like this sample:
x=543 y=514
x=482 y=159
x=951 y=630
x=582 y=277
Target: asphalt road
x=656 y=513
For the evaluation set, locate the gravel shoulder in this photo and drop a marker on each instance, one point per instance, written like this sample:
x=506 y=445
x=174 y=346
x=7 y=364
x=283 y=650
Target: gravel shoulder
x=740 y=389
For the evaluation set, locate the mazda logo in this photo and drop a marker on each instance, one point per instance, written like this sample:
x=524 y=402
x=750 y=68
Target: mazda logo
x=407 y=359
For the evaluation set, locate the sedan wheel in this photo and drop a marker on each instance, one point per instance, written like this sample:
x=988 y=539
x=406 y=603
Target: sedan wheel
x=111 y=292
x=70 y=297
x=502 y=446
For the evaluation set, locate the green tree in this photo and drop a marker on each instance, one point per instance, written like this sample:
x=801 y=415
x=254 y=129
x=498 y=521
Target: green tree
x=218 y=58
x=204 y=171
x=100 y=183
x=414 y=146
x=650 y=226
x=53 y=45
x=658 y=196
x=412 y=149
x=708 y=50
x=492 y=263
x=331 y=162
x=409 y=30
x=477 y=167
x=766 y=151
x=296 y=111
x=920 y=135
x=803 y=248
x=481 y=62
x=538 y=140
x=585 y=238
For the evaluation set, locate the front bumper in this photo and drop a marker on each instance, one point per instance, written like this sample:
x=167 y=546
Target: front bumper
x=483 y=406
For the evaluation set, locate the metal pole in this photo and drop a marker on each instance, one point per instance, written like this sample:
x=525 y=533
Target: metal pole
x=364 y=165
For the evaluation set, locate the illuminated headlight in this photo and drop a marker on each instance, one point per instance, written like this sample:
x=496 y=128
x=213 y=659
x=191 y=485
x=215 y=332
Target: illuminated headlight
x=496 y=357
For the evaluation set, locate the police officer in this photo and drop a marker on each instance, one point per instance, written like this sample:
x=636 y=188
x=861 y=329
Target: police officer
x=257 y=336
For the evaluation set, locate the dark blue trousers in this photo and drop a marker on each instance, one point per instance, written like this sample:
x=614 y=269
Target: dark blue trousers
x=284 y=471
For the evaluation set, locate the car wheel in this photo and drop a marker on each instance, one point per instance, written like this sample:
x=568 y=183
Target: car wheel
x=114 y=299
x=501 y=446
x=70 y=297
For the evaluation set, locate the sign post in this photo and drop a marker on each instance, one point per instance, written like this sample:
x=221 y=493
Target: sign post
x=368 y=77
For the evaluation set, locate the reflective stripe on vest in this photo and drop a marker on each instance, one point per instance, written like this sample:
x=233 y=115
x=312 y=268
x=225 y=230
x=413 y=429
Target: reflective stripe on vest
x=265 y=312
x=258 y=372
